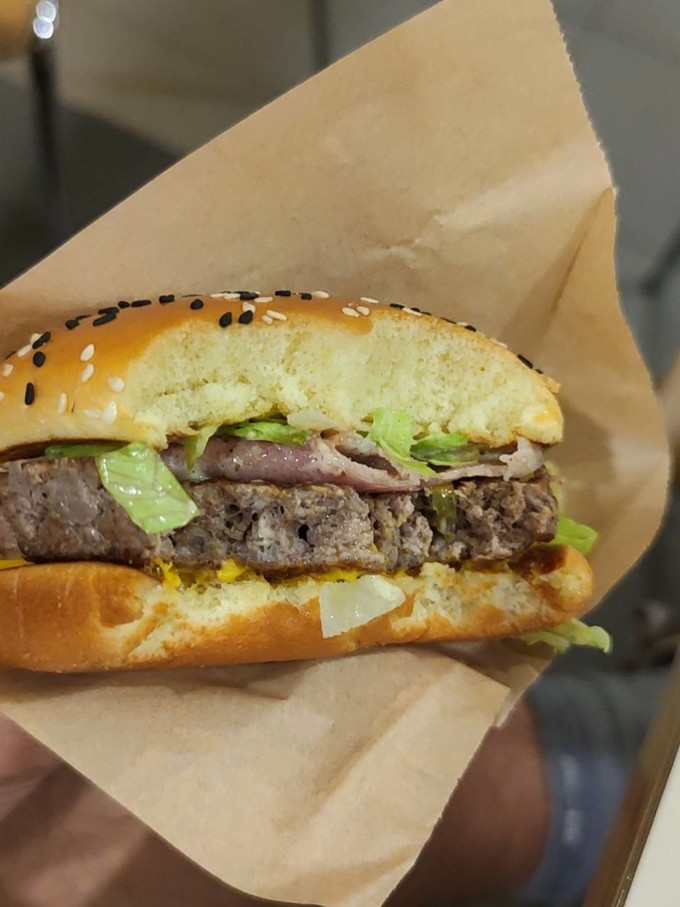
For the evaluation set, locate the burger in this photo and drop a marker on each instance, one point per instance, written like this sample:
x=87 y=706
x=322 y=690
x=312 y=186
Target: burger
x=233 y=478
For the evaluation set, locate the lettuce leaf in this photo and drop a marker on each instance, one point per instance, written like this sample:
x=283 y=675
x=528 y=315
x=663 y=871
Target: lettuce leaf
x=94 y=449
x=571 y=633
x=268 y=430
x=137 y=477
x=578 y=535
x=195 y=445
x=392 y=430
x=451 y=449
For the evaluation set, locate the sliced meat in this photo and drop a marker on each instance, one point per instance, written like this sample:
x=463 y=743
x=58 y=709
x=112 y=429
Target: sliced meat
x=318 y=462
x=341 y=459
x=58 y=511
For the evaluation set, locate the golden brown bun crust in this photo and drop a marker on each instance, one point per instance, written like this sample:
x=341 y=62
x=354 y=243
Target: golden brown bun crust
x=91 y=617
x=152 y=371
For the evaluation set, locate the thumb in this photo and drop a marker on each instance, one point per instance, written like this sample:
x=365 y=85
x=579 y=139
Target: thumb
x=23 y=764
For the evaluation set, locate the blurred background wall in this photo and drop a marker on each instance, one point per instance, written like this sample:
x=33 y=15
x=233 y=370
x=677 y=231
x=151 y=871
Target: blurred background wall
x=119 y=89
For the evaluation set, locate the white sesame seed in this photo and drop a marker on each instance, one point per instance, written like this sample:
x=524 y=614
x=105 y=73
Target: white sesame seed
x=110 y=414
x=62 y=403
x=7 y=369
x=264 y=299
x=363 y=310
x=321 y=294
x=2 y=396
x=351 y=312
x=117 y=385
x=34 y=337
x=24 y=351
x=370 y=299
x=248 y=307
x=268 y=319
x=87 y=353
x=412 y=311
x=92 y=413
x=224 y=295
x=279 y=316
x=87 y=373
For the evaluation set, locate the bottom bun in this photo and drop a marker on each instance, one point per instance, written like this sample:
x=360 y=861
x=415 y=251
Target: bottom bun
x=93 y=617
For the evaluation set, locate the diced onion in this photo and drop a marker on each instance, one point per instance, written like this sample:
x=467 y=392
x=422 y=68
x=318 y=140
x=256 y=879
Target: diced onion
x=344 y=606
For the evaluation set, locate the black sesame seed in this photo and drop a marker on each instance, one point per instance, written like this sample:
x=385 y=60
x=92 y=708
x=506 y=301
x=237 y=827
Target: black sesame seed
x=396 y=305
x=539 y=371
x=123 y=304
x=525 y=361
x=225 y=320
x=39 y=359
x=9 y=355
x=42 y=340
x=29 y=395
x=83 y=317
x=138 y=303
x=72 y=323
x=470 y=327
x=108 y=309
x=306 y=296
x=196 y=304
x=167 y=297
x=414 y=308
x=245 y=317
x=103 y=319
x=246 y=295
x=283 y=293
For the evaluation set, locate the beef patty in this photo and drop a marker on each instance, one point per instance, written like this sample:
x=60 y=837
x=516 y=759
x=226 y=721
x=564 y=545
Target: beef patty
x=59 y=511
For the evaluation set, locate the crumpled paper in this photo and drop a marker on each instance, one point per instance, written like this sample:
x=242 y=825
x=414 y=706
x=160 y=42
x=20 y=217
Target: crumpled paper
x=450 y=165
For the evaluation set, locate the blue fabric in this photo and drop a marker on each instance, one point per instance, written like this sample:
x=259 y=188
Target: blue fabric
x=590 y=729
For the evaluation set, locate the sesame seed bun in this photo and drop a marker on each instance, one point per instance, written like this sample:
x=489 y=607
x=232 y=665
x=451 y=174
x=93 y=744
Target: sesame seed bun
x=92 y=617
x=150 y=369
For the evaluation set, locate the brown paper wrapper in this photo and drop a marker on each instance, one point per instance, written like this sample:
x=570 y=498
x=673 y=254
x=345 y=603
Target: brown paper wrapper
x=450 y=165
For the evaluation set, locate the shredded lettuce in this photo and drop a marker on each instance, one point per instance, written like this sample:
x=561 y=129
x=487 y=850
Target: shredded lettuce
x=59 y=451
x=572 y=633
x=268 y=430
x=392 y=430
x=139 y=480
x=195 y=445
x=578 y=535
x=451 y=449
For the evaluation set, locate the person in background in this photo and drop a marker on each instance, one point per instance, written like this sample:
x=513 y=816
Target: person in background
x=529 y=819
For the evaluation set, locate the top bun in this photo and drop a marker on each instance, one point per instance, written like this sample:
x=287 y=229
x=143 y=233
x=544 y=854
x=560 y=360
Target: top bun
x=149 y=370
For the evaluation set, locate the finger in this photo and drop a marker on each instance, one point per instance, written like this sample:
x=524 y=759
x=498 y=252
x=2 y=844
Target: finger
x=23 y=764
